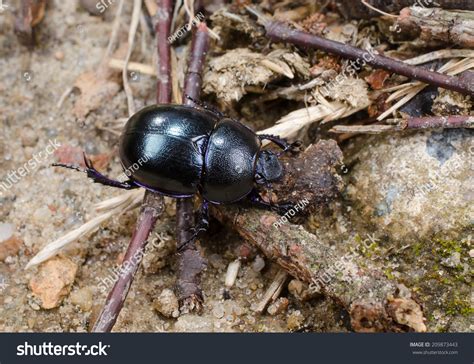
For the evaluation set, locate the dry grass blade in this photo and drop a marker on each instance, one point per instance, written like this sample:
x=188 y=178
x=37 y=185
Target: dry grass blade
x=441 y=54
x=133 y=66
x=408 y=91
x=137 y=4
x=121 y=204
x=291 y=124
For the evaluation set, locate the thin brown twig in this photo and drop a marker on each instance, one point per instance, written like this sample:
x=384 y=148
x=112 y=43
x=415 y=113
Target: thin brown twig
x=280 y=32
x=429 y=122
x=455 y=121
x=163 y=30
x=152 y=205
x=151 y=209
x=190 y=261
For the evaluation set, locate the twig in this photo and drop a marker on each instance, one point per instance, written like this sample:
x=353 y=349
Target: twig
x=162 y=28
x=278 y=31
x=355 y=9
x=133 y=66
x=151 y=209
x=152 y=205
x=456 y=121
x=114 y=33
x=430 y=122
x=440 y=54
x=364 y=129
x=190 y=261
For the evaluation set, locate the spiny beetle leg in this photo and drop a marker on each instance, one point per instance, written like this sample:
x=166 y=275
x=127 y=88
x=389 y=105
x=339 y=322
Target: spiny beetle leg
x=282 y=143
x=98 y=177
x=206 y=107
x=257 y=200
x=201 y=226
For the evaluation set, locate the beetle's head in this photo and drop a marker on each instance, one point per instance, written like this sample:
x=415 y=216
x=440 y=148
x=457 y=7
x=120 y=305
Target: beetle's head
x=269 y=168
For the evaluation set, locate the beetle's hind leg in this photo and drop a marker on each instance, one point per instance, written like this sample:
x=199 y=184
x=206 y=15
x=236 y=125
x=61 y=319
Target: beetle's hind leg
x=282 y=143
x=201 y=226
x=98 y=177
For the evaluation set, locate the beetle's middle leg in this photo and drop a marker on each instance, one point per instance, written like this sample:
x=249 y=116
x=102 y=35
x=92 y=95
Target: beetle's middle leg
x=98 y=177
x=202 y=224
x=282 y=143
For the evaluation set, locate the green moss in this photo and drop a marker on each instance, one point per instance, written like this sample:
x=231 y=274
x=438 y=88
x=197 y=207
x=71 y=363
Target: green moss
x=417 y=249
x=358 y=239
x=388 y=274
x=445 y=281
x=458 y=306
x=447 y=247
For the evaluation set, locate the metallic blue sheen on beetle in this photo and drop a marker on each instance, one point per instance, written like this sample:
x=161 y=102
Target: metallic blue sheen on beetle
x=189 y=150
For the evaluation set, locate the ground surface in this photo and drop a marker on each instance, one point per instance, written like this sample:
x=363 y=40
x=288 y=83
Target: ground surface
x=47 y=203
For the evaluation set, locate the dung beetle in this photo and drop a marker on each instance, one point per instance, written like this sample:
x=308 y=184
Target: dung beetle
x=188 y=150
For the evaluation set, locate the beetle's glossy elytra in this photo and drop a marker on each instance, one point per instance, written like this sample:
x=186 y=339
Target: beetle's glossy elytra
x=172 y=138
x=189 y=150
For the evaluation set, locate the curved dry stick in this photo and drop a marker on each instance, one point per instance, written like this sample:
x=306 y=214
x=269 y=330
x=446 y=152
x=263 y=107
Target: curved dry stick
x=280 y=32
x=190 y=262
x=152 y=205
x=151 y=209
x=163 y=30
x=428 y=122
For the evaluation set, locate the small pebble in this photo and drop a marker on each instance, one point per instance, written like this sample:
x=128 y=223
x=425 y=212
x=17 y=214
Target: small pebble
x=167 y=304
x=245 y=252
x=279 y=306
x=216 y=261
x=6 y=231
x=59 y=55
x=295 y=321
x=452 y=261
x=10 y=247
x=42 y=215
x=82 y=298
x=53 y=281
x=28 y=137
x=218 y=310
x=232 y=308
x=300 y=290
x=258 y=264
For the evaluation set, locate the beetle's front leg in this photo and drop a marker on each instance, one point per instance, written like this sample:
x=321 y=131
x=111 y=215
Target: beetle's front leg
x=98 y=177
x=294 y=147
x=257 y=200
